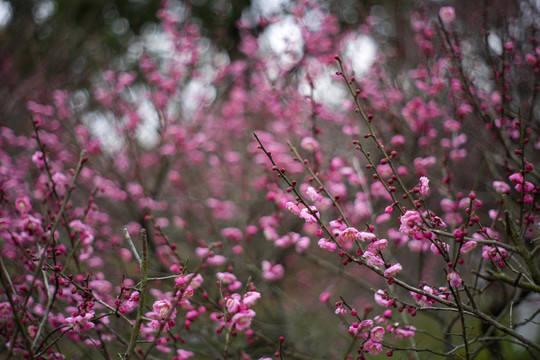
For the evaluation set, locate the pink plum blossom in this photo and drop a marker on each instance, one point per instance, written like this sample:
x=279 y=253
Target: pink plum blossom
x=81 y=323
x=272 y=272
x=392 y=271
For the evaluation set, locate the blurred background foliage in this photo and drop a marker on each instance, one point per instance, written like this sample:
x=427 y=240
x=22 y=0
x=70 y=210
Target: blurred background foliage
x=61 y=42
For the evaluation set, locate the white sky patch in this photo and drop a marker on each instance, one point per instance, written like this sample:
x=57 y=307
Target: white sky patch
x=100 y=126
x=360 y=52
x=329 y=91
x=285 y=39
x=43 y=10
x=147 y=134
x=495 y=43
x=269 y=7
x=5 y=13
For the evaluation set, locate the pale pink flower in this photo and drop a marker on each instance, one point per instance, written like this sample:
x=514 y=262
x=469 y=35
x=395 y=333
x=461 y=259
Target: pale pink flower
x=162 y=308
x=348 y=235
x=327 y=244
x=410 y=222
x=377 y=334
x=424 y=186
x=444 y=246
x=423 y=300
x=381 y=298
x=226 y=277
x=313 y=194
x=292 y=207
x=372 y=259
x=494 y=254
x=242 y=320
x=377 y=246
x=324 y=297
x=366 y=236
x=392 y=271
x=233 y=303
x=340 y=309
x=272 y=272
x=454 y=279
x=308 y=216
x=250 y=298
x=81 y=323
x=468 y=247
x=501 y=187
x=23 y=205
x=309 y=143
x=183 y=354
x=372 y=347
x=404 y=333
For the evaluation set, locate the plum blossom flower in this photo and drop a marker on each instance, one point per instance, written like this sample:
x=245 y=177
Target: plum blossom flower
x=348 y=235
x=392 y=271
x=5 y=310
x=250 y=298
x=23 y=205
x=423 y=300
x=410 y=222
x=501 y=187
x=162 y=307
x=162 y=310
x=494 y=254
x=468 y=247
x=382 y=298
x=340 y=309
x=308 y=216
x=454 y=279
x=424 y=186
x=377 y=334
x=404 y=333
x=309 y=143
x=372 y=259
x=272 y=272
x=183 y=354
x=366 y=236
x=242 y=319
x=313 y=194
x=372 y=347
x=233 y=303
x=360 y=330
x=327 y=244
x=377 y=246
x=292 y=207
x=81 y=323
x=440 y=245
